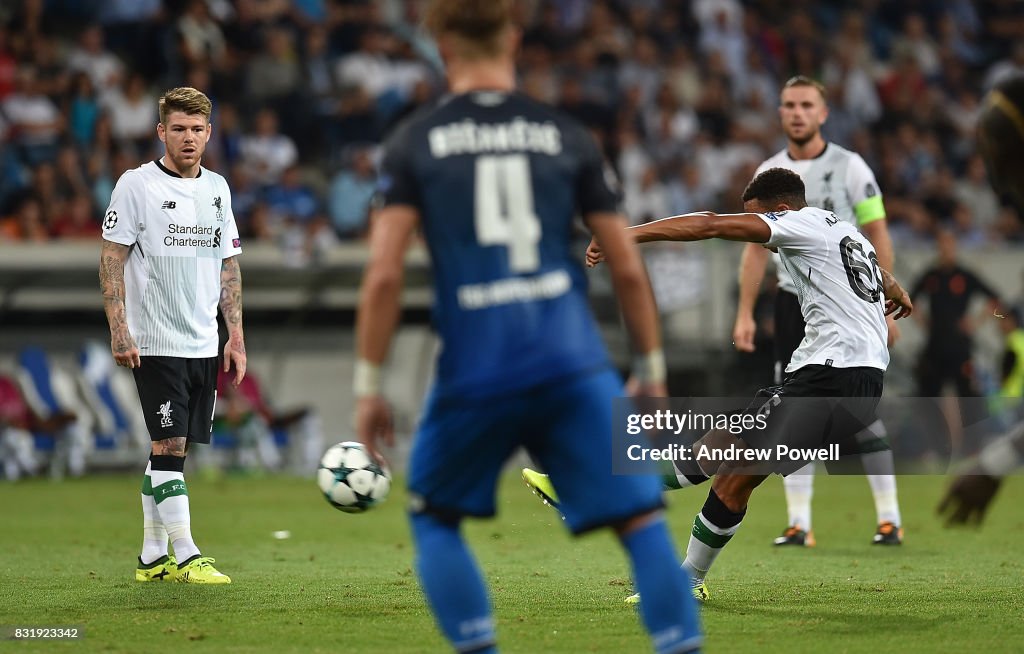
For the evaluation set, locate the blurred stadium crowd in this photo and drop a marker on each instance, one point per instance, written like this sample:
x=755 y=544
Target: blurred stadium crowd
x=681 y=93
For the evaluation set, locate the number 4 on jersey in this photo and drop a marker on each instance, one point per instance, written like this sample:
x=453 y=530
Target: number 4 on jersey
x=504 y=209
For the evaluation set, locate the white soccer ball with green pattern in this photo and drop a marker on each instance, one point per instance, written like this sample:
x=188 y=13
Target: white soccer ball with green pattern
x=350 y=479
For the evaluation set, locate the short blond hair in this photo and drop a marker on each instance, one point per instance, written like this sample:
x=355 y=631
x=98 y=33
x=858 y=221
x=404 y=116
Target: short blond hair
x=803 y=80
x=477 y=24
x=187 y=100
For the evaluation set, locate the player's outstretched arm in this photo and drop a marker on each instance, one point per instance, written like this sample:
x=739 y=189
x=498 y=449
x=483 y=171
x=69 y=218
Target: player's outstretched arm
x=636 y=301
x=231 y=309
x=379 y=307
x=694 y=227
x=897 y=303
x=753 y=261
x=122 y=345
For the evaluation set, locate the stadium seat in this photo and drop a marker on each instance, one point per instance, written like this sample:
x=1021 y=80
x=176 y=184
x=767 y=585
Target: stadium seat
x=109 y=392
x=51 y=393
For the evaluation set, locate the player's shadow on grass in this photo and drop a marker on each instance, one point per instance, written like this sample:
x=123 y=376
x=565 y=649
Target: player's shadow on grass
x=851 y=623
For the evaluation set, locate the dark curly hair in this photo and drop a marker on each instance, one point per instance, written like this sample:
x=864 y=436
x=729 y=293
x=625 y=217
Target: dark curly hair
x=776 y=185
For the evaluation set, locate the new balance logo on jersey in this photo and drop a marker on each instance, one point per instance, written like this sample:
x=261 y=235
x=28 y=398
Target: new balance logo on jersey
x=168 y=204
x=165 y=414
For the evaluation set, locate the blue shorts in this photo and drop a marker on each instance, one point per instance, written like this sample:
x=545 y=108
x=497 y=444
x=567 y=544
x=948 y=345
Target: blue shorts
x=461 y=447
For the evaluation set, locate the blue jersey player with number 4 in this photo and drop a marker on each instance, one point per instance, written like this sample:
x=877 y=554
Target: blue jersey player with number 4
x=494 y=181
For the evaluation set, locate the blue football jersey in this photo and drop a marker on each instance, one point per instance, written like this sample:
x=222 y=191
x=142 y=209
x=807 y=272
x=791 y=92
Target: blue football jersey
x=498 y=179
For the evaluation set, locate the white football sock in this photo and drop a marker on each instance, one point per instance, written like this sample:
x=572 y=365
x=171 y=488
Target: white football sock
x=881 y=473
x=706 y=541
x=154 y=535
x=171 y=497
x=883 y=487
x=799 y=491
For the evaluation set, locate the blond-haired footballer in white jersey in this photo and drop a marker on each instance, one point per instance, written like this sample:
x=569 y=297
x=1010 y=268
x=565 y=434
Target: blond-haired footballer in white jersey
x=844 y=296
x=169 y=259
x=837 y=180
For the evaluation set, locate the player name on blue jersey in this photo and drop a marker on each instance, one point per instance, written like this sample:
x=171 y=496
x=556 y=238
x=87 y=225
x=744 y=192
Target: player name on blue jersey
x=517 y=135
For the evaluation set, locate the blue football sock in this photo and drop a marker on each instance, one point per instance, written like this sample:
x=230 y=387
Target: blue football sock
x=453 y=585
x=667 y=606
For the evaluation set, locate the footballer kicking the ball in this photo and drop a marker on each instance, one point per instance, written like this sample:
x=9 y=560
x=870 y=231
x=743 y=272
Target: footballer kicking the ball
x=836 y=372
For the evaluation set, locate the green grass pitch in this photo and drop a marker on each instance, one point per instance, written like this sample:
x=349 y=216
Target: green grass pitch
x=343 y=583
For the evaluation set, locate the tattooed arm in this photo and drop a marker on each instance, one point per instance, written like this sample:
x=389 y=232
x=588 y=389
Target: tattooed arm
x=231 y=308
x=122 y=345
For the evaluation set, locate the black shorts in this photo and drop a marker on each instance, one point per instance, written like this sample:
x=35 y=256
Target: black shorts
x=789 y=330
x=178 y=396
x=817 y=406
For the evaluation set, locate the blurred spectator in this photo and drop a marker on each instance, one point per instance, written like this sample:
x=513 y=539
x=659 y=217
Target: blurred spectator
x=642 y=70
x=647 y=200
x=722 y=32
x=226 y=143
x=904 y=86
x=17 y=450
x=686 y=194
x=851 y=41
x=133 y=115
x=90 y=57
x=368 y=68
x=265 y=151
x=132 y=27
x=201 y=36
x=35 y=121
x=26 y=224
x=973 y=190
x=275 y=74
x=306 y=243
x=915 y=42
x=669 y=127
x=245 y=414
x=683 y=76
x=77 y=220
x=244 y=198
x=291 y=198
x=83 y=110
x=69 y=177
x=350 y=194
x=322 y=90
x=51 y=73
x=851 y=89
x=8 y=66
x=968 y=234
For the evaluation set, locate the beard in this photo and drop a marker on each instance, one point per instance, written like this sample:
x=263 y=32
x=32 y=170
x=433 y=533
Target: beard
x=803 y=140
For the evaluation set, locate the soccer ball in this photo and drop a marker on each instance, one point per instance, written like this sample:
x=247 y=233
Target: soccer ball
x=350 y=479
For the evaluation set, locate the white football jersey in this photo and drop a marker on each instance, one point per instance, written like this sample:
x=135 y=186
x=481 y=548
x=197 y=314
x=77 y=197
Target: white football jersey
x=837 y=180
x=836 y=275
x=180 y=230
